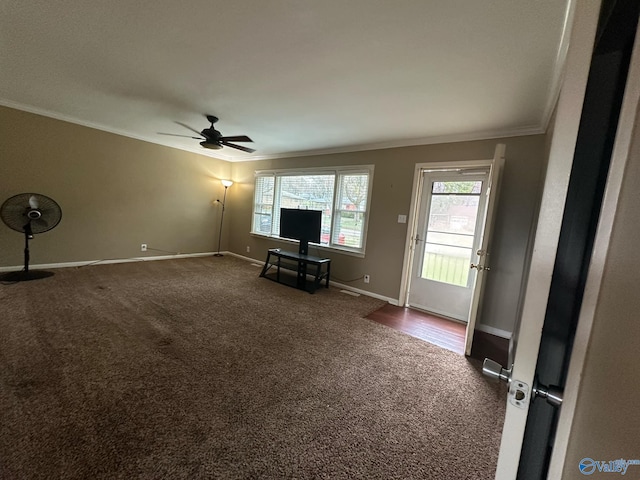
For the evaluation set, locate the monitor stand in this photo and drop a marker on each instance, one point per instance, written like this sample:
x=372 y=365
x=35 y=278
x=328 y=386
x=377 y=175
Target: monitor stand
x=304 y=247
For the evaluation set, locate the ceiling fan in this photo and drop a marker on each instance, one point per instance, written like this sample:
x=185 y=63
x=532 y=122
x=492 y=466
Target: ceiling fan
x=213 y=139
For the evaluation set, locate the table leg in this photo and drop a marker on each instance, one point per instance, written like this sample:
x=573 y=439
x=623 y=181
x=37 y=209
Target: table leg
x=266 y=265
x=328 y=275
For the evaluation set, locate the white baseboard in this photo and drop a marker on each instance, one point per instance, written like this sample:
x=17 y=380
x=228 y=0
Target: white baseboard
x=392 y=301
x=242 y=257
x=107 y=261
x=494 y=331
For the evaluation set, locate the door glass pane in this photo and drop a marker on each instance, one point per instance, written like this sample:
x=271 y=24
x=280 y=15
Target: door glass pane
x=450 y=232
x=474 y=186
x=453 y=239
x=446 y=264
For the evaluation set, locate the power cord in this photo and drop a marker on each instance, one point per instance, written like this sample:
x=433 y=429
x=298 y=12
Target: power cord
x=347 y=281
x=334 y=277
x=128 y=258
x=96 y=262
x=163 y=251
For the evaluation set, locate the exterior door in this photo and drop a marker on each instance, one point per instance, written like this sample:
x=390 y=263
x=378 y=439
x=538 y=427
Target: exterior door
x=450 y=220
x=482 y=254
x=448 y=185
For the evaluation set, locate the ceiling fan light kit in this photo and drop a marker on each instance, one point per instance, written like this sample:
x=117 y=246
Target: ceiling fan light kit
x=212 y=139
x=211 y=146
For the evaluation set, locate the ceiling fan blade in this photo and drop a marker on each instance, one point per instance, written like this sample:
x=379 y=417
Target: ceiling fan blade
x=239 y=147
x=188 y=127
x=176 y=135
x=236 y=138
x=33 y=202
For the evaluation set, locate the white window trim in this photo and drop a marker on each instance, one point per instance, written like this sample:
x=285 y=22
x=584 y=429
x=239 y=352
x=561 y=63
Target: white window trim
x=337 y=171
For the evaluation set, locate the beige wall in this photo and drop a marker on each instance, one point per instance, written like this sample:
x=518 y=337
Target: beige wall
x=392 y=185
x=606 y=423
x=115 y=192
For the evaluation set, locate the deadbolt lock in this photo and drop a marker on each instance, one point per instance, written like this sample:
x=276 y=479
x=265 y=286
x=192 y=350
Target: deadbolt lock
x=480 y=267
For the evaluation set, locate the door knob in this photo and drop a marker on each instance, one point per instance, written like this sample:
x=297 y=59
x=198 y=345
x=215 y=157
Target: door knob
x=552 y=394
x=518 y=390
x=495 y=372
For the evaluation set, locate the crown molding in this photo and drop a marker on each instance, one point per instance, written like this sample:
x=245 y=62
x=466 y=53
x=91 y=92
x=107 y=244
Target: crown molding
x=104 y=128
x=463 y=137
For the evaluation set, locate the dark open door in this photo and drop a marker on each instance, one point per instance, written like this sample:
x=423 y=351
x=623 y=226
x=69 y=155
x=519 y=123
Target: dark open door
x=598 y=124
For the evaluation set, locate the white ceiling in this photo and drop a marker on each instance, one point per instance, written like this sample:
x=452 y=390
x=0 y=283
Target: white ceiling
x=295 y=75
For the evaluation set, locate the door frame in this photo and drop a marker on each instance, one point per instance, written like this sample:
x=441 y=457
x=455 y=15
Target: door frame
x=563 y=143
x=416 y=198
x=629 y=122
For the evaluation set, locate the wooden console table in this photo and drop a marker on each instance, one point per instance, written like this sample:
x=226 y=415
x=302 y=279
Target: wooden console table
x=298 y=263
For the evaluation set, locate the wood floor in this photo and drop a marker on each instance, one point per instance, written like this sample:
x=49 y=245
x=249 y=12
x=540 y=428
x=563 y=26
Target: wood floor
x=430 y=328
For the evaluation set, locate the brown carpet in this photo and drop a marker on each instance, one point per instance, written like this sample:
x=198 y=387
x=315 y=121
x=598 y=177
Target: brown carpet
x=197 y=368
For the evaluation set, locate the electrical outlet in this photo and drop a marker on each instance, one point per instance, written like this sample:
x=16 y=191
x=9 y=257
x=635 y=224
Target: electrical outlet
x=248 y=248
x=366 y=279
x=143 y=247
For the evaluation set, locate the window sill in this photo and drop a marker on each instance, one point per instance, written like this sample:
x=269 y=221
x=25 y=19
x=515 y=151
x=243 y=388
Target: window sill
x=316 y=246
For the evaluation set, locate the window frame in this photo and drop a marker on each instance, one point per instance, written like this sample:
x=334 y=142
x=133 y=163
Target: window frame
x=338 y=173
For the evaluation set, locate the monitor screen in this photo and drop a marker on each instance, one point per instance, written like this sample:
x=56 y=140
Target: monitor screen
x=304 y=225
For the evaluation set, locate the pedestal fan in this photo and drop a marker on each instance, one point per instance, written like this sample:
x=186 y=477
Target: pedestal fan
x=29 y=213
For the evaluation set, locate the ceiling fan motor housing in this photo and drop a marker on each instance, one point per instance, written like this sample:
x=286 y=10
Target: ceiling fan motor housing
x=213 y=139
x=211 y=133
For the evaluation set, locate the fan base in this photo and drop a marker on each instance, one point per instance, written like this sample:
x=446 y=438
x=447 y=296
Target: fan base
x=218 y=255
x=23 y=276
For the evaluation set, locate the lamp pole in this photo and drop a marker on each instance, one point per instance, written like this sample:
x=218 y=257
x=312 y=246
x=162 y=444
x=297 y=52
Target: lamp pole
x=227 y=184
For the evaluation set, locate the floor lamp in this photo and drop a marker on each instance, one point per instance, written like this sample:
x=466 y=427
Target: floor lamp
x=227 y=184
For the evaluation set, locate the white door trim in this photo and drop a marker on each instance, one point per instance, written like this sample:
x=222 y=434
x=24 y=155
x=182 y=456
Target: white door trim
x=545 y=246
x=413 y=214
x=628 y=123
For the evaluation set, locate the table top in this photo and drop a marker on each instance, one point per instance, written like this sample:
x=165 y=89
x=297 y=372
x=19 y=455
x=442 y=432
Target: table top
x=297 y=256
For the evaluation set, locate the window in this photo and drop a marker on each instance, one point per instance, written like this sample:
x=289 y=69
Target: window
x=342 y=194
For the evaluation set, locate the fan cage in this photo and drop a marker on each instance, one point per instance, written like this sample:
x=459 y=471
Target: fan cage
x=21 y=210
